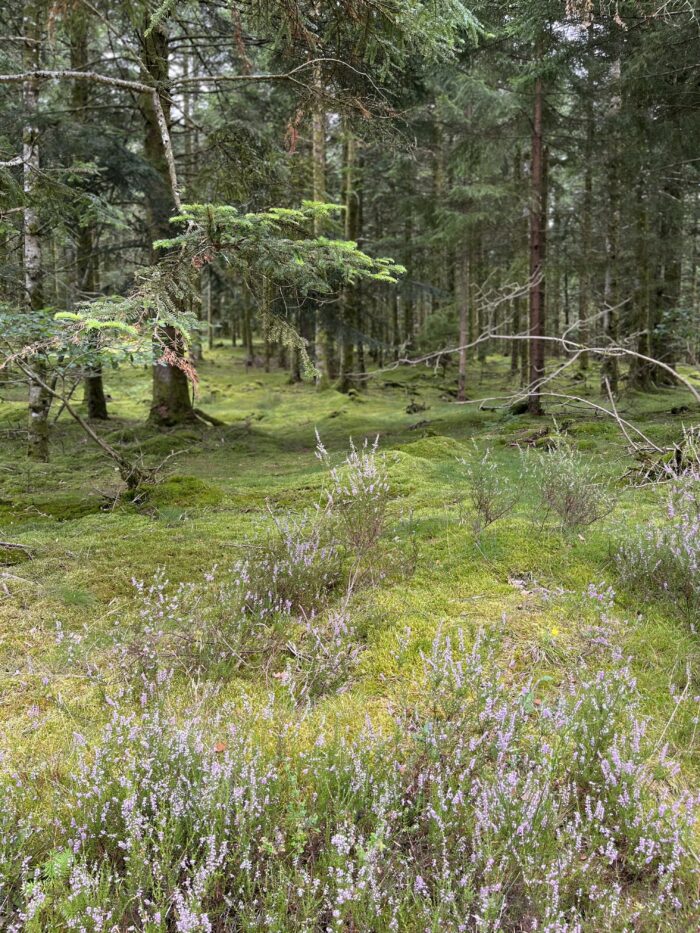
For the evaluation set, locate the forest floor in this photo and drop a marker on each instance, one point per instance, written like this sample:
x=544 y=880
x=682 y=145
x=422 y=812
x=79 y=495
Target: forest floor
x=522 y=573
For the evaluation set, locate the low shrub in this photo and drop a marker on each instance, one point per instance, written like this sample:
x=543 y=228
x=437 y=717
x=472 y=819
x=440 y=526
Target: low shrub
x=357 y=497
x=276 y=601
x=480 y=807
x=664 y=556
x=569 y=485
x=491 y=492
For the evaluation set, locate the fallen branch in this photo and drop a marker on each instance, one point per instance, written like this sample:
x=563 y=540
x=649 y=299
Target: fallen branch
x=11 y=546
x=209 y=419
x=123 y=84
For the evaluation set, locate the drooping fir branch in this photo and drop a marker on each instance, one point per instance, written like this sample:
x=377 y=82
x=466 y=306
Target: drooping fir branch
x=276 y=247
x=278 y=244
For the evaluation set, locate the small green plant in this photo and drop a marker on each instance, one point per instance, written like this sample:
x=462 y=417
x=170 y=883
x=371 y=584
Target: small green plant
x=663 y=558
x=357 y=496
x=491 y=492
x=569 y=485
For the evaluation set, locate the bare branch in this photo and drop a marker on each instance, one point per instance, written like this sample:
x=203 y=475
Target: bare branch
x=123 y=84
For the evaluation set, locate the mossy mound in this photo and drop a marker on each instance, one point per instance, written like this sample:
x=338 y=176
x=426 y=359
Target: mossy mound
x=594 y=429
x=122 y=435
x=11 y=556
x=434 y=448
x=65 y=507
x=164 y=444
x=184 y=491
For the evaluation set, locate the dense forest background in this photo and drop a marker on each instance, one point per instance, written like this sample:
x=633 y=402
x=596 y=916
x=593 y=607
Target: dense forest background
x=531 y=167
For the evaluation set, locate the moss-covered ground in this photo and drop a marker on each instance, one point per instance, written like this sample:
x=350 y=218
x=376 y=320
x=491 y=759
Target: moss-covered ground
x=84 y=546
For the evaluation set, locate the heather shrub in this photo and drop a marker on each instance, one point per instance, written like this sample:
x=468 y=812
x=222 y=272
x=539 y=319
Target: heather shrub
x=569 y=485
x=357 y=496
x=216 y=623
x=474 y=808
x=276 y=600
x=663 y=557
x=292 y=569
x=232 y=619
x=491 y=493
x=323 y=657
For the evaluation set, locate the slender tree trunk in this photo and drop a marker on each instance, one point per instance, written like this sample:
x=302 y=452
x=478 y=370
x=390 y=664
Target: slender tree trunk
x=476 y=275
x=409 y=323
x=537 y=238
x=395 y=328
x=609 y=372
x=248 y=335
x=515 y=345
x=39 y=398
x=553 y=291
x=641 y=372
x=584 y=275
x=318 y=167
x=463 y=301
x=171 y=402
x=208 y=307
x=521 y=235
x=439 y=189
x=350 y=296
x=93 y=386
x=85 y=258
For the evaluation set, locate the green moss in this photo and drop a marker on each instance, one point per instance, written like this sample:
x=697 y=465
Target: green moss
x=594 y=429
x=434 y=448
x=163 y=444
x=72 y=596
x=81 y=570
x=65 y=507
x=186 y=491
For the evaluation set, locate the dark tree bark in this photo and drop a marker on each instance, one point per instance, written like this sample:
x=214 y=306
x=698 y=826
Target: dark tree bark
x=515 y=345
x=609 y=370
x=537 y=247
x=584 y=274
x=318 y=172
x=463 y=296
x=667 y=280
x=351 y=293
x=85 y=258
x=407 y=290
x=171 y=403
x=171 y=391
x=641 y=371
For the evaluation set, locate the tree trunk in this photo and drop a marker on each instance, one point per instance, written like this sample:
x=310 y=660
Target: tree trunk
x=515 y=345
x=208 y=307
x=463 y=299
x=171 y=391
x=247 y=336
x=171 y=403
x=318 y=168
x=350 y=296
x=85 y=258
x=476 y=275
x=39 y=398
x=584 y=275
x=409 y=323
x=641 y=371
x=609 y=373
x=668 y=284
x=537 y=246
